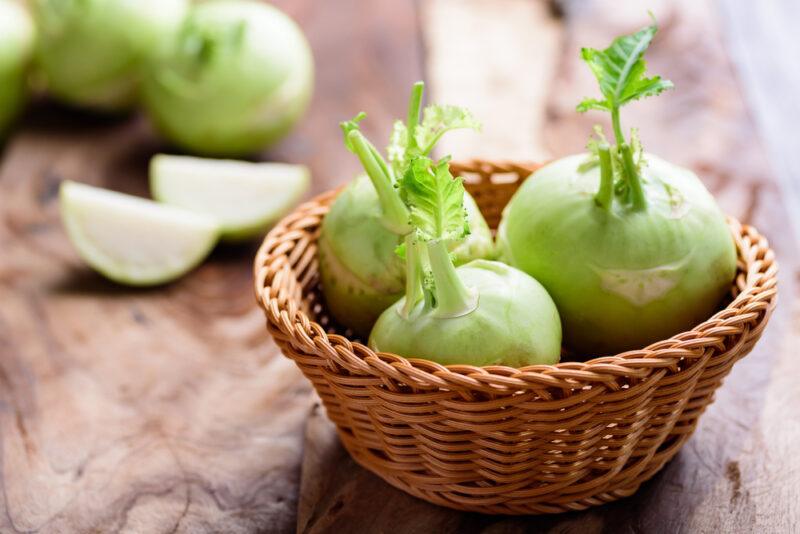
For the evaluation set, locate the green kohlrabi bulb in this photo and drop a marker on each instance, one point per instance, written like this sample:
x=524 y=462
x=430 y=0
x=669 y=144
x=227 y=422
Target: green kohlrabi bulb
x=237 y=78
x=631 y=248
x=91 y=52
x=482 y=313
x=361 y=274
x=621 y=277
x=16 y=44
x=515 y=323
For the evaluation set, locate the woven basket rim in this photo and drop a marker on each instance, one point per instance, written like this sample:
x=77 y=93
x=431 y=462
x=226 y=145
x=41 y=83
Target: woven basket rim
x=755 y=298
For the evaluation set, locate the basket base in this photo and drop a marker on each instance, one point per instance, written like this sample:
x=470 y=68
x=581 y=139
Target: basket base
x=449 y=496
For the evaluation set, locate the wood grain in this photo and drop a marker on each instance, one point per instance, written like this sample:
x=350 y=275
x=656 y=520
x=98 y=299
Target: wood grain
x=761 y=40
x=163 y=410
x=739 y=472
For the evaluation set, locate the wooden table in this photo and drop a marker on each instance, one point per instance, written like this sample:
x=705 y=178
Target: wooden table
x=170 y=410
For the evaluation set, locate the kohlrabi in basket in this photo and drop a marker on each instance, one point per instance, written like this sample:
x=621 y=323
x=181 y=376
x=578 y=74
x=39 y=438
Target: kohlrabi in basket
x=632 y=248
x=91 y=52
x=482 y=313
x=16 y=44
x=237 y=78
x=361 y=275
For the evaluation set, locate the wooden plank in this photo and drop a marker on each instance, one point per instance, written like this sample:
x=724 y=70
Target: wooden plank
x=761 y=39
x=738 y=473
x=367 y=55
x=485 y=56
x=163 y=410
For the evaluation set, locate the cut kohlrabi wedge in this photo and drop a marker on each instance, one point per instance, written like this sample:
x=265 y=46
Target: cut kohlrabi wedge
x=132 y=240
x=245 y=198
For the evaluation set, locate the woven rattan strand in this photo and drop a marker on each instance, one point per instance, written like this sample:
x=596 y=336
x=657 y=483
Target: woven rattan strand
x=540 y=439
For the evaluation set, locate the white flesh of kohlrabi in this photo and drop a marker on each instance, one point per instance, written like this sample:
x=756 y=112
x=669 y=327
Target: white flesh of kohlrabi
x=244 y=197
x=132 y=240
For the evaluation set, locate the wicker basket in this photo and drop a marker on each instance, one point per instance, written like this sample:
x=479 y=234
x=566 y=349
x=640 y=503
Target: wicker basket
x=542 y=439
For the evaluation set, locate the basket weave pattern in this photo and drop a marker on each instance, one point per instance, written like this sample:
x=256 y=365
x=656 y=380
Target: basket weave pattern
x=541 y=439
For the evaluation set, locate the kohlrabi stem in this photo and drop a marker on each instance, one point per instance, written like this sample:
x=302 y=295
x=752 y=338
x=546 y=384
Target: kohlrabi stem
x=629 y=170
x=395 y=213
x=453 y=298
x=414 y=107
x=632 y=175
x=414 y=273
x=605 y=194
x=617 y=127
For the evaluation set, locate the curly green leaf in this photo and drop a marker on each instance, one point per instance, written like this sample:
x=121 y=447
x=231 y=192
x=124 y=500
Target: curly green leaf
x=620 y=71
x=439 y=119
x=435 y=200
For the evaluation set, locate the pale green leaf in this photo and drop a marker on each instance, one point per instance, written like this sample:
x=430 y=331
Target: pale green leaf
x=637 y=149
x=438 y=119
x=398 y=142
x=620 y=71
x=592 y=103
x=435 y=200
x=593 y=147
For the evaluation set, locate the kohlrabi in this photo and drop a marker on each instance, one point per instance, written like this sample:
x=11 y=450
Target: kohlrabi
x=482 y=313
x=91 y=52
x=631 y=248
x=361 y=275
x=245 y=198
x=132 y=240
x=237 y=78
x=16 y=43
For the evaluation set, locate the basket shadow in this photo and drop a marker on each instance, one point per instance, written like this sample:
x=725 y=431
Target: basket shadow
x=229 y=261
x=84 y=281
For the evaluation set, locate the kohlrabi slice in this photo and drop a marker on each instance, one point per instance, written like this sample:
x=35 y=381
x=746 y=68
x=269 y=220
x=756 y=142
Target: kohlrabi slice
x=132 y=240
x=482 y=313
x=631 y=248
x=245 y=198
x=361 y=275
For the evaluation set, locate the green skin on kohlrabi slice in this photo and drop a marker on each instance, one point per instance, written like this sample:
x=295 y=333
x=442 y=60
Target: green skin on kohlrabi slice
x=92 y=52
x=238 y=77
x=16 y=43
x=622 y=278
x=361 y=274
x=515 y=323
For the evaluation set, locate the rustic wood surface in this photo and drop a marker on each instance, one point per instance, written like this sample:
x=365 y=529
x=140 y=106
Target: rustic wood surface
x=169 y=410
x=163 y=410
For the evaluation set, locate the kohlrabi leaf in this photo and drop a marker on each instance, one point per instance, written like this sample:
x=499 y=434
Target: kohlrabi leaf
x=397 y=149
x=435 y=200
x=638 y=150
x=438 y=119
x=400 y=250
x=349 y=126
x=593 y=103
x=620 y=71
x=593 y=147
